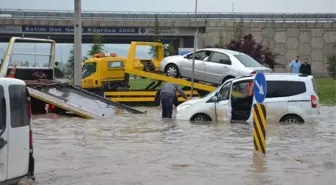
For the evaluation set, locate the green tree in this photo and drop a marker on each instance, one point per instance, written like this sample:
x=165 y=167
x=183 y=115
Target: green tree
x=69 y=71
x=221 y=42
x=247 y=44
x=169 y=49
x=97 y=46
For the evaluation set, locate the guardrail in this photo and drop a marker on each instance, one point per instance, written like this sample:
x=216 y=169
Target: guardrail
x=253 y=17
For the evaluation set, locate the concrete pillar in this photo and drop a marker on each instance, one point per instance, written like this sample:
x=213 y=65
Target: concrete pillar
x=78 y=45
x=181 y=42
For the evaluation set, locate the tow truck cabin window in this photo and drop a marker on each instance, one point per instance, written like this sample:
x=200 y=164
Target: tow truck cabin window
x=18 y=98
x=89 y=69
x=115 y=64
x=3 y=115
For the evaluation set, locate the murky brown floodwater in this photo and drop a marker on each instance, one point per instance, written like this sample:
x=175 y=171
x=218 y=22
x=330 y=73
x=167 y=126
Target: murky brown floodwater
x=136 y=150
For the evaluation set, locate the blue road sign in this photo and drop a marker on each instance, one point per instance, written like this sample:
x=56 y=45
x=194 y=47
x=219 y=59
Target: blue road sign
x=260 y=87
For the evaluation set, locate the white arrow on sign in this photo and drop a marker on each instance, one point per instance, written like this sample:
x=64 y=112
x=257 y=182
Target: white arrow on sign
x=260 y=87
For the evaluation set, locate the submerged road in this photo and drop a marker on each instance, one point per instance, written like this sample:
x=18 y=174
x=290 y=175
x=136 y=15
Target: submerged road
x=145 y=150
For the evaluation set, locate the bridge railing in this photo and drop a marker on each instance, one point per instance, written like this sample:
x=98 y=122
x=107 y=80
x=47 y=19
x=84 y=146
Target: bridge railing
x=249 y=17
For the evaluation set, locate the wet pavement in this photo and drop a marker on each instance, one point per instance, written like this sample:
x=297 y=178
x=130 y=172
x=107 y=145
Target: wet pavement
x=145 y=150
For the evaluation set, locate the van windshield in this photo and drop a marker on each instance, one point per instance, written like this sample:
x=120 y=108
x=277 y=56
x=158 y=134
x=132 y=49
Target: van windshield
x=210 y=94
x=89 y=69
x=248 y=61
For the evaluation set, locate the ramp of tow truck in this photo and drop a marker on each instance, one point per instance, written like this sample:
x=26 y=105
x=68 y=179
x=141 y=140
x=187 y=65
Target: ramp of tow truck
x=79 y=102
x=155 y=76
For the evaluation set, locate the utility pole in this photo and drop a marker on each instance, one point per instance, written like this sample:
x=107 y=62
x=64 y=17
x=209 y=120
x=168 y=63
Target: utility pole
x=193 y=60
x=78 y=44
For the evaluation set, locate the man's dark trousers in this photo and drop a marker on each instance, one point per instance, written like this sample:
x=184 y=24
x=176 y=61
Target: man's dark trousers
x=167 y=101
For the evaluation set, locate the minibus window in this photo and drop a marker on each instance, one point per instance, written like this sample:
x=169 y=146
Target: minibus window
x=3 y=115
x=18 y=106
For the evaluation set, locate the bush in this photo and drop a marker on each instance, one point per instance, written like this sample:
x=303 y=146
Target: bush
x=249 y=46
x=332 y=66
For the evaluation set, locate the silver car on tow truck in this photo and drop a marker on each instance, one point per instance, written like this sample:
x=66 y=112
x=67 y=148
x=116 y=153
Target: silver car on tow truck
x=212 y=65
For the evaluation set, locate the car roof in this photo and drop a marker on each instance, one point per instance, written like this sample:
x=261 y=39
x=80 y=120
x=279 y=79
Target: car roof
x=226 y=51
x=278 y=76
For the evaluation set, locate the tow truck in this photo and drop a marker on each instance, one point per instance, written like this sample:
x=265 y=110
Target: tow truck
x=108 y=75
x=49 y=93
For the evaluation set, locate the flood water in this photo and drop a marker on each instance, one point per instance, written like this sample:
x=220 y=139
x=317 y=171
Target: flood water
x=145 y=150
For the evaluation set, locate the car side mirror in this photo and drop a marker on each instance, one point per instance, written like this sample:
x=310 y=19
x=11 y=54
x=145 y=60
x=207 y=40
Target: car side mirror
x=223 y=61
x=214 y=98
x=56 y=63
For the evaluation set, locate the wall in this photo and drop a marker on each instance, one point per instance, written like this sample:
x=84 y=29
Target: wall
x=312 y=41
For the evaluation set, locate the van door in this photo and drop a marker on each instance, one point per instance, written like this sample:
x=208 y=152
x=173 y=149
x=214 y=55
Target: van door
x=3 y=133
x=276 y=100
x=223 y=108
x=18 y=160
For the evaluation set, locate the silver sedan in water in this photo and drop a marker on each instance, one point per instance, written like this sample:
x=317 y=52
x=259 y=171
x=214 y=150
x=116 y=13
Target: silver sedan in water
x=212 y=65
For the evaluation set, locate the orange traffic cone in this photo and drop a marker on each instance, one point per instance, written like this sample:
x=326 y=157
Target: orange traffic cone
x=12 y=72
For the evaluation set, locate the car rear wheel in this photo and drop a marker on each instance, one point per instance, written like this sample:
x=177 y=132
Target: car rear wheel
x=292 y=119
x=172 y=71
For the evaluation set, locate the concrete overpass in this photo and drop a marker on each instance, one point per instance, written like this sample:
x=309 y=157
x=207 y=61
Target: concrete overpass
x=313 y=39
x=255 y=17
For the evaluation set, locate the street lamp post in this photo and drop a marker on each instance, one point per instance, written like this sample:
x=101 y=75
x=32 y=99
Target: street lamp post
x=78 y=44
x=194 y=53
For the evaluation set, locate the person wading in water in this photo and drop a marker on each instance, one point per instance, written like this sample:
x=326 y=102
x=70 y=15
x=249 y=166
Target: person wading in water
x=168 y=96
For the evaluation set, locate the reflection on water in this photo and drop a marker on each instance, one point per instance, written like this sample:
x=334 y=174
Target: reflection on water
x=143 y=149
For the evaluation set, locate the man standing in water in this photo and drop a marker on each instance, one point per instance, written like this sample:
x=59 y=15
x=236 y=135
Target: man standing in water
x=167 y=97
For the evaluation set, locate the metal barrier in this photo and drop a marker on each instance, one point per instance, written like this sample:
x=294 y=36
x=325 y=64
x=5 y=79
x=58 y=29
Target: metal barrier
x=250 y=17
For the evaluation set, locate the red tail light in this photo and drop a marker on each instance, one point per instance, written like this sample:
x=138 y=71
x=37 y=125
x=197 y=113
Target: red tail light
x=313 y=101
x=253 y=72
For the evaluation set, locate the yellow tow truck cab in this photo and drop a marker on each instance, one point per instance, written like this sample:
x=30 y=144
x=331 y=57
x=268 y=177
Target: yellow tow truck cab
x=102 y=70
x=108 y=74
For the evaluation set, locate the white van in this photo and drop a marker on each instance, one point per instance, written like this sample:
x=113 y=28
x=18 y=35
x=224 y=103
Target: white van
x=290 y=98
x=16 y=144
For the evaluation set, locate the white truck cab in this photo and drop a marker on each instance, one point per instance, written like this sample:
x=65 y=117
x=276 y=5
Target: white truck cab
x=16 y=143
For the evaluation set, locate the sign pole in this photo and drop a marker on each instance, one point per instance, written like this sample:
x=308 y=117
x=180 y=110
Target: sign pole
x=193 y=56
x=259 y=113
x=78 y=45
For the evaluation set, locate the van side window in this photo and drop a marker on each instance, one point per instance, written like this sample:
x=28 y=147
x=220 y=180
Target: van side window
x=3 y=115
x=295 y=88
x=278 y=89
x=18 y=105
